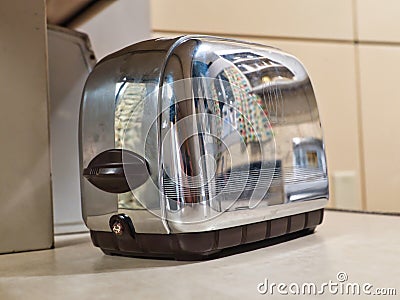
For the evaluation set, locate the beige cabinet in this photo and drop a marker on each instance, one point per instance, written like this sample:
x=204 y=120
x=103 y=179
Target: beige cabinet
x=380 y=95
x=25 y=188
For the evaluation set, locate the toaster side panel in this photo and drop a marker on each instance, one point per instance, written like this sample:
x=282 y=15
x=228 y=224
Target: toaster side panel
x=96 y=136
x=119 y=138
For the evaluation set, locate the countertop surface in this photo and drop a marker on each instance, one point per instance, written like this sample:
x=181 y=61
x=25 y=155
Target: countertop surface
x=346 y=248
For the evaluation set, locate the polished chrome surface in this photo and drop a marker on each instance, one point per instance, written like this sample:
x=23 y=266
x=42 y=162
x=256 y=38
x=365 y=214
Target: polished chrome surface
x=112 y=92
x=230 y=130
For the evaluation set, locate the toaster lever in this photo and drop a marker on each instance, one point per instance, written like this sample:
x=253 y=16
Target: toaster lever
x=117 y=171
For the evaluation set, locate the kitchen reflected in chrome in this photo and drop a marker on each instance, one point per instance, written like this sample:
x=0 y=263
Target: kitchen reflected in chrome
x=229 y=130
x=212 y=152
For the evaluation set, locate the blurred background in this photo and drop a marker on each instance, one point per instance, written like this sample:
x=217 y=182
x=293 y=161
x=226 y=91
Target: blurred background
x=351 y=49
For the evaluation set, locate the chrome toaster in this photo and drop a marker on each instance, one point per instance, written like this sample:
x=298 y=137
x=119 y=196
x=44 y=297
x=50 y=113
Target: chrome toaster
x=195 y=144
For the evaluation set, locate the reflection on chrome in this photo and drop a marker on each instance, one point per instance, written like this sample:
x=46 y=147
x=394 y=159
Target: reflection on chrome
x=225 y=126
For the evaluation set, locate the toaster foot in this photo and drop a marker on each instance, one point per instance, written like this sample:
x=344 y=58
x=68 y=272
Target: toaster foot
x=206 y=245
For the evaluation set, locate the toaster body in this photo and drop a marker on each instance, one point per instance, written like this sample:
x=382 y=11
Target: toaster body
x=196 y=144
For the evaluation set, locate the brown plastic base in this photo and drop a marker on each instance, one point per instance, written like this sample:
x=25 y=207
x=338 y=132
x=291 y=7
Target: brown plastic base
x=210 y=244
